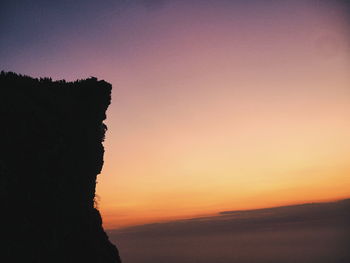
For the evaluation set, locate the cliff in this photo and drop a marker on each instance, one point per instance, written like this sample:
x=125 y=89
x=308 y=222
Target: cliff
x=50 y=154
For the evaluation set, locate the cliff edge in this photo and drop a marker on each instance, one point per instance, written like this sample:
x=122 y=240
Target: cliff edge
x=50 y=154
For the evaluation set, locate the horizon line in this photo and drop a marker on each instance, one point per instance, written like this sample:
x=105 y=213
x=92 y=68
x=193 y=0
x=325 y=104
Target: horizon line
x=230 y=212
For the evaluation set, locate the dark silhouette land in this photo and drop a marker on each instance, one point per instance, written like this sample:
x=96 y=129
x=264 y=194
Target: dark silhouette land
x=50 y=154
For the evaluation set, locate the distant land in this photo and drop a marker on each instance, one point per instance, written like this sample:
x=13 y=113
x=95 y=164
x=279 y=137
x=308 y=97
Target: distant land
x=312 y=232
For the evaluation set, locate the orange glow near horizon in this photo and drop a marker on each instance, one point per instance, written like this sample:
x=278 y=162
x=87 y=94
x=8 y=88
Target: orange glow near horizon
x=216 y=117
x=216 y=105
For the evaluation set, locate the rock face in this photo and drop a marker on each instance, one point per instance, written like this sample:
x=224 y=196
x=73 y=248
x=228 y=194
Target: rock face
x=51 y=151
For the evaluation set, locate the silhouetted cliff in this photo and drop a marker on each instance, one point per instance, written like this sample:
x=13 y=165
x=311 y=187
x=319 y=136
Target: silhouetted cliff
x=50 y=154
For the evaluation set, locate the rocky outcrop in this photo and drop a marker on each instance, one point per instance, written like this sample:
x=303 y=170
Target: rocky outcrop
x=50 y=154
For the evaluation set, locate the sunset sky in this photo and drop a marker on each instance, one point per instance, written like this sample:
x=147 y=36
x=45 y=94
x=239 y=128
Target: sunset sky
x=217 y=105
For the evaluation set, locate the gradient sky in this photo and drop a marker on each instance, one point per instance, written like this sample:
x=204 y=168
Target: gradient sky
x=217 y=105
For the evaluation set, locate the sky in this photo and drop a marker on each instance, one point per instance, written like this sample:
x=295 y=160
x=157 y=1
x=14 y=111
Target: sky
x=216 y=105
